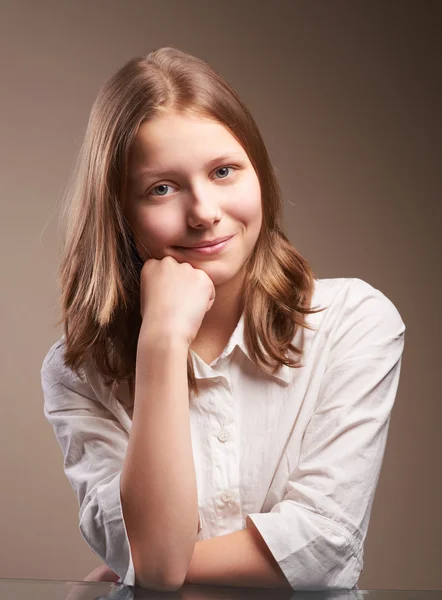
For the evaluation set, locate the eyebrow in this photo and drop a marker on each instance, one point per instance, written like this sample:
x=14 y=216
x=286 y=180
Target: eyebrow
x=151 y=172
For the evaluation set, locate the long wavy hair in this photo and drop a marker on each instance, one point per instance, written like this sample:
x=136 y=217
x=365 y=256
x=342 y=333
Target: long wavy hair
x=99 y=270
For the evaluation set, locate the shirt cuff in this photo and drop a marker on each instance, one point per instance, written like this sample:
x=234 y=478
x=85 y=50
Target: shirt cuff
x=313 y=552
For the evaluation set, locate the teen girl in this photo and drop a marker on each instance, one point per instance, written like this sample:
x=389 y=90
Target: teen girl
x=222 y=413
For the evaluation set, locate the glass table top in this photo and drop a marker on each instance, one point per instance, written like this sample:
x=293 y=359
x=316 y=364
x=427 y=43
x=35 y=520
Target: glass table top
x=47 y=589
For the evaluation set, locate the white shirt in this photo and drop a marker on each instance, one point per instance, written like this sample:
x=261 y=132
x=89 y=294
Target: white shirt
x=299 y=452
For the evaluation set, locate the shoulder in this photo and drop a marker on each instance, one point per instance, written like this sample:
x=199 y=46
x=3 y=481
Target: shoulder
x=360 y=321
x=54 y=371
x=53 y=362
x=58 y=381
x=352 y=298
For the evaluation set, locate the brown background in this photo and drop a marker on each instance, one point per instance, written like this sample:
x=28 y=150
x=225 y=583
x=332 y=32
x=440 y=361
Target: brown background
x=348 y=98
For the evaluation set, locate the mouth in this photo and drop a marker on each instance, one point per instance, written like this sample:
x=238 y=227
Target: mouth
x=209 y=247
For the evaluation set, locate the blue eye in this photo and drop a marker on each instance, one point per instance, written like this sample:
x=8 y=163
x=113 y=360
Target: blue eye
x=162 y=185
x=166 y=185
x=220 y=168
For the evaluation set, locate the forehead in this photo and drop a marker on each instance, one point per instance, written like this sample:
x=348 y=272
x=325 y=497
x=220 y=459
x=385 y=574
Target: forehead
x=173 y=137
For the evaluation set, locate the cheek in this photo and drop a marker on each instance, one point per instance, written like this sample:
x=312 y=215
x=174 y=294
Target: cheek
x=158 y=226
x=247 y=207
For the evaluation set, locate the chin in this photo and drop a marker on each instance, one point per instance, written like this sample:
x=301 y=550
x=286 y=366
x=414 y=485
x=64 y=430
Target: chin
x=218 y=275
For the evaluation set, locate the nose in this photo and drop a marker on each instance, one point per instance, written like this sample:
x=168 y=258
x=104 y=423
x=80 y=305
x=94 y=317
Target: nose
x=203 y=210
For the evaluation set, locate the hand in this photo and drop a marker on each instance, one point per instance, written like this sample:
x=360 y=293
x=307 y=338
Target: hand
x=102 y=573
x=174 y=297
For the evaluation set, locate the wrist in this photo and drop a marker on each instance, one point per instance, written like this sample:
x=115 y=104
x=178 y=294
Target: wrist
x=162 y=341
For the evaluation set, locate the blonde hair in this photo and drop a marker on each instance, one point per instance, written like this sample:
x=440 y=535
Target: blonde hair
x=99 y=270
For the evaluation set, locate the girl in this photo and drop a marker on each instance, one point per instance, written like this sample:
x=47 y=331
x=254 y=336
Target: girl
x=222 y=413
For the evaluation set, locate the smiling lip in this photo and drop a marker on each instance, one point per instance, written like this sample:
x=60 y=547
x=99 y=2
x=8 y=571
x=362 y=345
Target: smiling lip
x=208 y=243
x=211 y=247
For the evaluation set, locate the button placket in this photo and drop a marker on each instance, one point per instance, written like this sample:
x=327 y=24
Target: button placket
x=224 y=457
x=223 y=436
x=226 y=496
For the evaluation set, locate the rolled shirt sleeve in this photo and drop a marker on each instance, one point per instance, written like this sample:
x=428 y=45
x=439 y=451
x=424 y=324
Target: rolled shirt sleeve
x=316 y=533
x=94 y=444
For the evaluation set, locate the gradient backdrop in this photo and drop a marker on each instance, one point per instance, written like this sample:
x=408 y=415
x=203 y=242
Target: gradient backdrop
x=347 y=95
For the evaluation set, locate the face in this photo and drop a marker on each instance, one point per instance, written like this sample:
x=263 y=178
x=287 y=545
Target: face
x=191 y=182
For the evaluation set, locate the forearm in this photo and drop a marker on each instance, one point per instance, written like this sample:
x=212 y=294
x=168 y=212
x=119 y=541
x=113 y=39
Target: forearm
x=158 y=483
x=239 y=559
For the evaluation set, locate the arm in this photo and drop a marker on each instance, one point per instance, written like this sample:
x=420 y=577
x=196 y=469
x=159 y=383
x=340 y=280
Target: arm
x=240 y=559
x=94 y=445
x=313 y=538
x=316 y=532
x=158 y=483
x=138 y=500
x=102 y=573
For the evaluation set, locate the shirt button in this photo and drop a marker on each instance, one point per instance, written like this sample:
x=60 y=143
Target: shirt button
x=226 y=496
x=223 y=435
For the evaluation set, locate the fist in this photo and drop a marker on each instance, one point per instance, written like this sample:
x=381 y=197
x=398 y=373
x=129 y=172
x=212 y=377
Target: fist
x=174 y=297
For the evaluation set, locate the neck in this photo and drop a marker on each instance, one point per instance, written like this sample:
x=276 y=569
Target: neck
x=220 y=321
x=227 y=306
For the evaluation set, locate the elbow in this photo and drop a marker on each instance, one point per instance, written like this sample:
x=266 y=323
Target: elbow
x=345 y=578
x=160 y=586
x=335 y=572
x=327 y=583
x=158 y=583
x=157 y=576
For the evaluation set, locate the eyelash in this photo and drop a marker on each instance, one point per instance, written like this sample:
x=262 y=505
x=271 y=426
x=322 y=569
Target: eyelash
x=149 y=192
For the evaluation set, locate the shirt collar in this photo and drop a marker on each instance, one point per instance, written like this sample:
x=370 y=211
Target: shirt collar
x=204 y=371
